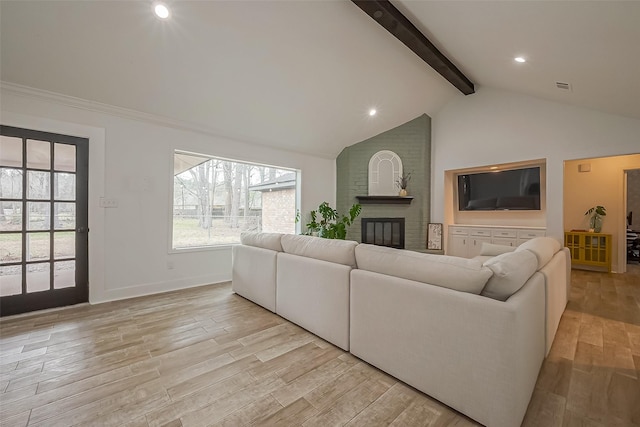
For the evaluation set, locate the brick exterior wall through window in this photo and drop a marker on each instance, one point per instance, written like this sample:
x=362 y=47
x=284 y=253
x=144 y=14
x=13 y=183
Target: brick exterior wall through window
x=278 y=211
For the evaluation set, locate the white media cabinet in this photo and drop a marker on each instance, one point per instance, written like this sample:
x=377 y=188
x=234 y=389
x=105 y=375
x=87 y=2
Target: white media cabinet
x=466 y=240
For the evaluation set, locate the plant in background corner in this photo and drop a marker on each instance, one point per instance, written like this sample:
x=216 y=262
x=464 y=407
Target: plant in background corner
x=595 y=217
x=331 y=226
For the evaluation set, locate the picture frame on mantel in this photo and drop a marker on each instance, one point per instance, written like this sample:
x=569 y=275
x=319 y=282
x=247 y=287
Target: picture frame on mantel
x=434 y=236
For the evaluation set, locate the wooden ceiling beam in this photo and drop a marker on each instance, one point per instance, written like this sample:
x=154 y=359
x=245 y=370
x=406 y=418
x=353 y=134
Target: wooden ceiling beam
x=385 y=14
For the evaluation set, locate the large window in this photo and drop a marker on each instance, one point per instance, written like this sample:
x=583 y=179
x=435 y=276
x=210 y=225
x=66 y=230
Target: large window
x=214 y=200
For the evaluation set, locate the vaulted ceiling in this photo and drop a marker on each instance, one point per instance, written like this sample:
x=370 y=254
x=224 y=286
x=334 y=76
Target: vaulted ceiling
x=302 y=75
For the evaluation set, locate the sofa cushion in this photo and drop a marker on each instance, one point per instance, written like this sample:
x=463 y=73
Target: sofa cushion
x=542 y=247
x=331 y=250
x=482 y=258
x=262 y=240
x=491 y=249
x=461 y=274
x=510 y=270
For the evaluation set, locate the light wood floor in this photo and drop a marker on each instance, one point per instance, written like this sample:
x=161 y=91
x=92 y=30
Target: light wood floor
x=206 y=356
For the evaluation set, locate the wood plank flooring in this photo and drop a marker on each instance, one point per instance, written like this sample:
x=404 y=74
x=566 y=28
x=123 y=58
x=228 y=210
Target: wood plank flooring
x=207 y=357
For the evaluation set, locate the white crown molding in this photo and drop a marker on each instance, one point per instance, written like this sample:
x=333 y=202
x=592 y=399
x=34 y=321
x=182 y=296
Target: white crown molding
x=126 y=113
x=99 y=107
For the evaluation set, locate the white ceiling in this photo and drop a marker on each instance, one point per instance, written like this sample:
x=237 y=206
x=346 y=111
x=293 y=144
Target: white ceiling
x=302 y=75
x=593 y=45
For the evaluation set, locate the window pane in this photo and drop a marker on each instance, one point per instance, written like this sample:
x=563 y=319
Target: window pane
x=10 y=280
x=215 y=200
x=38 y=215
x=38 y=154
x=38 y=246
x=10 y=248
x=38 y=277
x=11 y=218
x=65 y=157
x=38 y=185
x=64 y=186
x=64 y=244
x=10 y=151
x=64 y=274
x=10 y=183
x=65 y=216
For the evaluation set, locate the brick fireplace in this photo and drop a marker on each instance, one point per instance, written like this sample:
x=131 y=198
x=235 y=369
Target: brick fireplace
x=412 y=143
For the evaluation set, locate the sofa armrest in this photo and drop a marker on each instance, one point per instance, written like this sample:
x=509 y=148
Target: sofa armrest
x=475 y=354
x=253 y=275
x=557 y=287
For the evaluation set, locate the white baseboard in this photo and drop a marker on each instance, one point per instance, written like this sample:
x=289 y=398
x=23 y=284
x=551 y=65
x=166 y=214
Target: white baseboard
x=154 y=288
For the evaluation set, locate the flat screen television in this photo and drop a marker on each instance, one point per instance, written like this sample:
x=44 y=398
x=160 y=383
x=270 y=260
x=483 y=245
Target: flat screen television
x=512 y=189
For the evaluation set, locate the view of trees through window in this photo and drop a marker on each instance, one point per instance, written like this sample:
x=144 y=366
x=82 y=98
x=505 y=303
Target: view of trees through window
x=39 y=212
x=214 y=200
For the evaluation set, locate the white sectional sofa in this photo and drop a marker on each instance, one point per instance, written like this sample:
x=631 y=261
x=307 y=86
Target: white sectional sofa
x=470 y=333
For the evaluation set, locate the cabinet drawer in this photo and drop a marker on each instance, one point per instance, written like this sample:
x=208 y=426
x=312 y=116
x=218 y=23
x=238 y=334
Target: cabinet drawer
x=505 y=234
x=480 y=232
x=530 y=234
x=504 y=242
x=458 y=231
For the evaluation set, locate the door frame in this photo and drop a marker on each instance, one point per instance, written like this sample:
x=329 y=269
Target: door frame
x=27 y=302
x=622 y=247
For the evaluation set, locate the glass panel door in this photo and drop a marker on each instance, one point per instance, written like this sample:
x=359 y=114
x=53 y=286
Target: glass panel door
x=43 y=220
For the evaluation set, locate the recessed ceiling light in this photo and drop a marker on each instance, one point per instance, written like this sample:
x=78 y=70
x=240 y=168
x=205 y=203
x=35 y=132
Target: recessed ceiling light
x=519 y=59
x=161 y=10
x=372 y=112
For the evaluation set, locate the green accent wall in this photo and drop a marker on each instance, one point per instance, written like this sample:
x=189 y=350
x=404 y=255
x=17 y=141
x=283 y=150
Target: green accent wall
x=412 y=143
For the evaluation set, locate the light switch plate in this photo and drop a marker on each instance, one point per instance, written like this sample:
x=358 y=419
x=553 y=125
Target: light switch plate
x=108 y=203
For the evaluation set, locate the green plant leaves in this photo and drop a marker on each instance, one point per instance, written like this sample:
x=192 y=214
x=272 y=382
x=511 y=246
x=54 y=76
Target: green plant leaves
x=597 y=210
x=332 y=226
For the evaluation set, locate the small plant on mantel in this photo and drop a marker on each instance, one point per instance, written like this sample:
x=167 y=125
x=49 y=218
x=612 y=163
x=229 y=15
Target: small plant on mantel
x=331 y=226
x=402 y=182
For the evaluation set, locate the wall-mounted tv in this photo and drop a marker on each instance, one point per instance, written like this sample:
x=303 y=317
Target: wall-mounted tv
x=512 y=189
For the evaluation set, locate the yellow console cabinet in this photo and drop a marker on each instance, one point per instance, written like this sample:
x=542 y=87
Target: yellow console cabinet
x=592 y=249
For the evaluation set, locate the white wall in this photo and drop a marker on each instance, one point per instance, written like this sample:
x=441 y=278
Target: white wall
x=131 y=161
x=494 y=126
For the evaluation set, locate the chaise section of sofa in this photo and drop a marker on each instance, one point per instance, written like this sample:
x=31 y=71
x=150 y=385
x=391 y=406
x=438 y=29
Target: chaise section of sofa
x=254 y=268
x=554 y=263
x=313 y=285
x=428 y=326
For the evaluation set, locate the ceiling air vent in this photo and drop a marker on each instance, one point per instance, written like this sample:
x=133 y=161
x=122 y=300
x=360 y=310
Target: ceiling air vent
x=564 y=86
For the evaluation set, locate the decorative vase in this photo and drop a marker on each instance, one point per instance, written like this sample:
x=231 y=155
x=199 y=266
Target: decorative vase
x=403 y=192
x=596 y=223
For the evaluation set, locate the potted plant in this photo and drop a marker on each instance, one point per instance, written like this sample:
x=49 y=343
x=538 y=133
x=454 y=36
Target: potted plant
x=331 y=226
x=402 y=183
x=313 y=228
x=595 y=217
